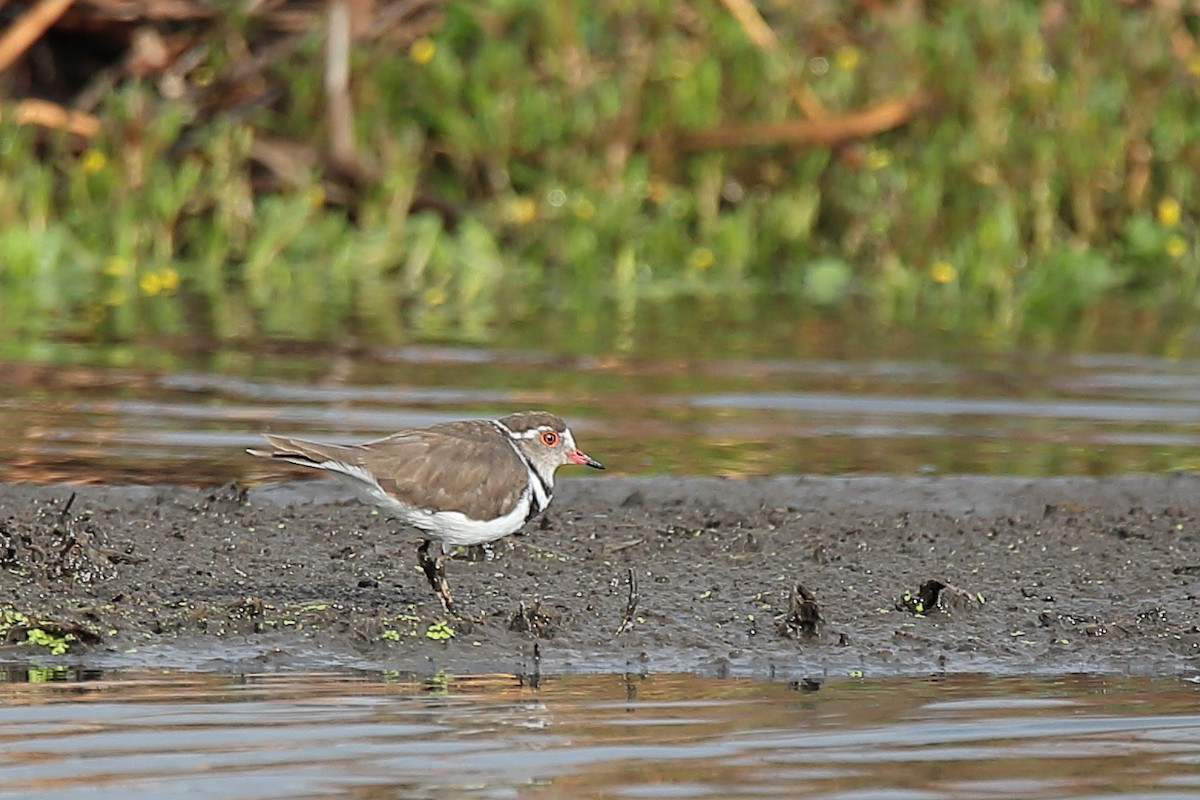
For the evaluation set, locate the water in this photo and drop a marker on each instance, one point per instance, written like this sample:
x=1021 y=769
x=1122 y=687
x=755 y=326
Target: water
x=162 y=734
x=129 y=414
x=144 y=415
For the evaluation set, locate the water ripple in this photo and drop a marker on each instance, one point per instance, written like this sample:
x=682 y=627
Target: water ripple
x=581 y=736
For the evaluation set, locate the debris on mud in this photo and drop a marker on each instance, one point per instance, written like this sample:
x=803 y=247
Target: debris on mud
x=535 y=618
x=58 y=544
x=935 y=595
x=803 y=614
x=630 y=605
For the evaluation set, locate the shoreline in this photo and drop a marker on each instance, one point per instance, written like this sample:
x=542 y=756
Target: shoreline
x=1075 y=575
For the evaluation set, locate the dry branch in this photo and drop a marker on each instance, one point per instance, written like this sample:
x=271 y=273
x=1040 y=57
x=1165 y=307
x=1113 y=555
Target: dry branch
x=825 y=131
x=52 y=115
x=752 y=23
x=339 y=108
x=760 y=33
x=28 y=29
x=630 y=605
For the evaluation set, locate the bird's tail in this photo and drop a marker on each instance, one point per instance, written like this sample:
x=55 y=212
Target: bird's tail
x=307 y=454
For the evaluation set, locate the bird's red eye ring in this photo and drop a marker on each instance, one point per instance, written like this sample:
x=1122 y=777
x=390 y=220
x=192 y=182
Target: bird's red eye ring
x=549 y=438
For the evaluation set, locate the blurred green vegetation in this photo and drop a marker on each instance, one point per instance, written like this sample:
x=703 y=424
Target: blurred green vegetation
x=1053 y=176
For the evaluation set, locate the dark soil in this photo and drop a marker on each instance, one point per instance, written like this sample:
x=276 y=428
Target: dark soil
x=792 y=577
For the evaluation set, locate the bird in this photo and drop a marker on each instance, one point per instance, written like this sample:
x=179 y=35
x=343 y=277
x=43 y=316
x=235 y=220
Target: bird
x=459 y=483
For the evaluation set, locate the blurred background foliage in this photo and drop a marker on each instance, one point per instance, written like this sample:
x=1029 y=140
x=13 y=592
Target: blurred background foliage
x=1026 y=174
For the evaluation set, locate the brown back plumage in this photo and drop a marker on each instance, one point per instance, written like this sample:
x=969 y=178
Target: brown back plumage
x=458 y=466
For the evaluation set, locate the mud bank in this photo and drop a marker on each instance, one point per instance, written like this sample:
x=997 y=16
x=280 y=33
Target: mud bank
x=1057 y=575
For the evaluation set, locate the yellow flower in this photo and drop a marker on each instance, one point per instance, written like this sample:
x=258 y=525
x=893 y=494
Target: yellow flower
x=203 y=75
x=422 y=50
x=701 y=258
x=159 y=281
x=92 y=161
x=315 y=195
x=878 y=159
x=150 y=283
x=169 y=278
x=657 y=191
x=1176 y=246
x=434 y=296
x=847 y=57
x=1193 y=64
x=1032 y=47
x=584 y=209
x=942 y=272
x=1168 y=212
x=522 y=210
x=115 y=266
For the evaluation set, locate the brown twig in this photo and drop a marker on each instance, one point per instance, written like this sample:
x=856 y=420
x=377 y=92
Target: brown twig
x=52 y=115
x=752 y=23
x=66 y=509
x=28 y=29
x=340 y=111
x=630 y=604
x=826 y=131
x=609 y=549
x=760 y=33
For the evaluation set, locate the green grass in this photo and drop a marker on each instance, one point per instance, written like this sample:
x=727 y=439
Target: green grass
x=1053 y=177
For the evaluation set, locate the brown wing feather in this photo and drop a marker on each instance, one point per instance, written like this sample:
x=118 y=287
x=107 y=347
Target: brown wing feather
x=463 y=466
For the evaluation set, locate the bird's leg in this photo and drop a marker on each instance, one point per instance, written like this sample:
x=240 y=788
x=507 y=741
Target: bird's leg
x=435 y=571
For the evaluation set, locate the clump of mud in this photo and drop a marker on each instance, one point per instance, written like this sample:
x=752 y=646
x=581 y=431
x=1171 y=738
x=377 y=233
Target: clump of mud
x=58 y=544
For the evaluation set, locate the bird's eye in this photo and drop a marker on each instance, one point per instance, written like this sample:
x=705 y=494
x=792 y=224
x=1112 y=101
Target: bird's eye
x=549 y=438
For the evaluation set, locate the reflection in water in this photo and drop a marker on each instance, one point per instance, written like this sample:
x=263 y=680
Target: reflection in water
x=325 y=735
x=1076 y=415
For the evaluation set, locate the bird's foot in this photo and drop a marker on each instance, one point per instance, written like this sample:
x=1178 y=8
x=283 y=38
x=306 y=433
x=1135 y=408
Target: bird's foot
x=435 y=573
x=442 y=590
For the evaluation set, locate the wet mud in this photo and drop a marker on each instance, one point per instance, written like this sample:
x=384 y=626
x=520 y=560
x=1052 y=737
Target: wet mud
x=791 y=577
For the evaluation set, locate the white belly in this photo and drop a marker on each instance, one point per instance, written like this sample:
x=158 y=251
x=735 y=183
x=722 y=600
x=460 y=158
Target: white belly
x=450 y=527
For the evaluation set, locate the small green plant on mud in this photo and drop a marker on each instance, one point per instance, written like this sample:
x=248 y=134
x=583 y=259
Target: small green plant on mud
x=406 y=625
x=9 y=618
x=440 y=631
x=57 y=644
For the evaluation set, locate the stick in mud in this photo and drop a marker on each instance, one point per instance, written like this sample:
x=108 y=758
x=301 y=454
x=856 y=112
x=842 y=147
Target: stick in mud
x=66 y=509
x=804 y=614
x=630 y=605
